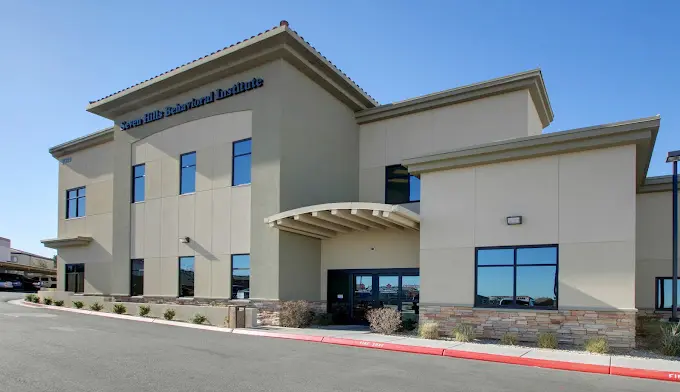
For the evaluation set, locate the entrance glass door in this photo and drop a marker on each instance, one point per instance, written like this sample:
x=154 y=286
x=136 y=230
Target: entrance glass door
x=388 y=291
x=362 y=297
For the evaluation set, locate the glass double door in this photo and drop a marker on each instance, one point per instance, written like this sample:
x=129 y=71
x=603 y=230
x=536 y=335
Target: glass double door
x=380 y=290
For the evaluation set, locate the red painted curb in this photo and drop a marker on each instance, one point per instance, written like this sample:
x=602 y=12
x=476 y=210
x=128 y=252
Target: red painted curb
x=305 y=338
x=542 y=363
x=384 y=346
x=644 y=373
x=32 y=305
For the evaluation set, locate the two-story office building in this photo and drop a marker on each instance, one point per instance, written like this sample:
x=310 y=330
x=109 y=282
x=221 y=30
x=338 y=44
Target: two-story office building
x=262 y=173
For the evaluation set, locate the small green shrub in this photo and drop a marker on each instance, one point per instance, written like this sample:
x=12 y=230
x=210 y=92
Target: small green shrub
x=464 y=333
x=429 y=330
x=408 y=324
x=59 y=303
x=670 y=339
x=119 y=309
x=36 y=299
x=199 y=319
x=78 y=304
x=597 y=345
x=144 y=310
x=547 y=340
x=169 y=314
x=322 y=319
x=96 y=307
x=384 y=320
x=48 y=301
x=509 y=339
x=29 y=297
x=295 y=314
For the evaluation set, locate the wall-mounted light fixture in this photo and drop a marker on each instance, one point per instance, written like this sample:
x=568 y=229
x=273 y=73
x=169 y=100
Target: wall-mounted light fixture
x=514 y=220
x=184 y=240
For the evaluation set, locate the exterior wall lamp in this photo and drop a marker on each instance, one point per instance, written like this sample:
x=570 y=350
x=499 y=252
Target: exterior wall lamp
x=674 y=156
x=184 y=240
x=513 y=220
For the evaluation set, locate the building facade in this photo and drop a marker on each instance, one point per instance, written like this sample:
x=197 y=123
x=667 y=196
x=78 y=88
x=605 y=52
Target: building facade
x=262 y=173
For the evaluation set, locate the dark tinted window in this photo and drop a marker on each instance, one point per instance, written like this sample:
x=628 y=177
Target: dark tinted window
x=74 y=277
x=241 y=163
x=136 y=277
x=186 y=276
x=187 y=175
x=516 y=277
x=401 y=187
x=240 y=276
x=75 y=202
x=664 y=293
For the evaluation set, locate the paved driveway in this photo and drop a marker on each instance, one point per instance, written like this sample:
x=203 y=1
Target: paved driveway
x=42 y=350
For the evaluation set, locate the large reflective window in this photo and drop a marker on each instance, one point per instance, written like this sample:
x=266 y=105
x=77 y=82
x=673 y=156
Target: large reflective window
x=400 y=186
x=187 y=175
x=523 y=276
x=240 y=276
x=186 y=276
x=664 y=293
x=138 y=175
x=242 y=162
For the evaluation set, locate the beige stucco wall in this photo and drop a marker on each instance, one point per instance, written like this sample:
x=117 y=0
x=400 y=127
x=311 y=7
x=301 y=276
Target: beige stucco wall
x=585 y=202
x=216 y=217
x=92 y=168
x=372 y=249
x=389 y=142
x=654 y=248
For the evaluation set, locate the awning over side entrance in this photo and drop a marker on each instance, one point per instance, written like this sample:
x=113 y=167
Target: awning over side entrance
x=66 y=242
x=324 y=221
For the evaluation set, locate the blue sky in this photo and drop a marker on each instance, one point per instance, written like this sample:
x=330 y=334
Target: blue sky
x=602 y=61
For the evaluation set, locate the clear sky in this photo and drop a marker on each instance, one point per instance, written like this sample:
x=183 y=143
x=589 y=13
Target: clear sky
x=603 y=61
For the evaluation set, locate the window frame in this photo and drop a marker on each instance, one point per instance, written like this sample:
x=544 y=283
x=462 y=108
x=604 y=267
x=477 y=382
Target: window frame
x=134 y=186
x=656 y=293
x=233 y=160
x=132 y=263
x=179 y=276
x=408 y=176
x=77 y=199
x=231 y=294
x=181 y=172
x=514 y=266
x=81 y=266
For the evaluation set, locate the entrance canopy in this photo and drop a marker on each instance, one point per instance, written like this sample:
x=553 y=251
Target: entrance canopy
x=324 y=221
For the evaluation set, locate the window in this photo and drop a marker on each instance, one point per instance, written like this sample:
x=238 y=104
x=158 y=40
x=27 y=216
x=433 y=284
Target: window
x=240 y=276
x=242 y=151
x=138 y=174
x=186 y=276
x=519 y=277
x=75 y=202
x=187 y=174
x=75 y=277
x=136 y=277
x=401 y=187
x=664 y=293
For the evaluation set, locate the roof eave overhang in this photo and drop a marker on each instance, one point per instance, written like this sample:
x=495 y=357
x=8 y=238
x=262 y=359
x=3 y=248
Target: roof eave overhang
x=642 y=133
x=324 y=221
x=67 y=242
x=277 y=43
x=657 y=184
x=91 y=140
x=530 y=80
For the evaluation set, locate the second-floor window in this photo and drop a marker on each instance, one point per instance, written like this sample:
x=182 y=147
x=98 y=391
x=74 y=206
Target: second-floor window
x=400 y=186
x=241 y=162
x=138 y=174
x=75 y=202
x=187 y=174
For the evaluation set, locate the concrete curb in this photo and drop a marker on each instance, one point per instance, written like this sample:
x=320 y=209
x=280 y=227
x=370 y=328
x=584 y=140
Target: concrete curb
x=452 y=353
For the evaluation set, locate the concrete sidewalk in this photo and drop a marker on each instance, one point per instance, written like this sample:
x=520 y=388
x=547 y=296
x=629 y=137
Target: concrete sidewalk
x=658 y=369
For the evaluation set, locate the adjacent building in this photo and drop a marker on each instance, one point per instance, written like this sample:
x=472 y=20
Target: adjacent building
x=262 y=173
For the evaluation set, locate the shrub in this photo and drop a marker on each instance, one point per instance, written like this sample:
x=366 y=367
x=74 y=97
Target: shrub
x=384 y=320
x=59 y=303
x=547 y=340
x=199 y=319
x=464 y=333
x=597 y=345
x=119 y=309
x=36 y=299
x=96 y=307
x=429 y=330
x=169 y=314
x=29 y=297
x=670 y=339
x=509 y=339
x=78 y=304
x=144 y=310
x=48 y=301
x=322 y=319
x=295 y=314
x=408 y=324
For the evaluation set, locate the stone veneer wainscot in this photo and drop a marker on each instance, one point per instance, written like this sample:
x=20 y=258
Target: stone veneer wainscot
x=570 y=326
